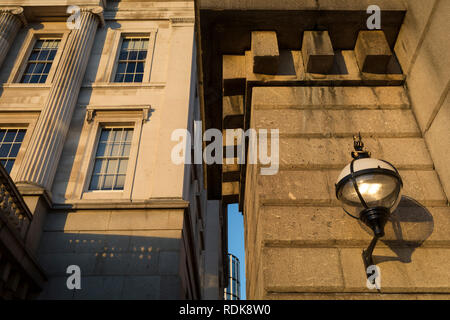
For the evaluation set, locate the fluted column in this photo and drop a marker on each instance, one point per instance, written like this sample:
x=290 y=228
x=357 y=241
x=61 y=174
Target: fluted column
x=42 y=155
x=11 y=19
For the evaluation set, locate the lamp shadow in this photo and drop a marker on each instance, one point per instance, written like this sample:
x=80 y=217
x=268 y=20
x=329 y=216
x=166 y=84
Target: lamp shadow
x=406 y=230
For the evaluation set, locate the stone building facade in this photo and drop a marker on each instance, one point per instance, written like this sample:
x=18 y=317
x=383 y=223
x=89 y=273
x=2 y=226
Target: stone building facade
x=314 y=70
x=154 y=229
x=90 y=110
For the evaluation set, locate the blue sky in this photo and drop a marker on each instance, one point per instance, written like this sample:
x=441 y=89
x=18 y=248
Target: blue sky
x=236 y=240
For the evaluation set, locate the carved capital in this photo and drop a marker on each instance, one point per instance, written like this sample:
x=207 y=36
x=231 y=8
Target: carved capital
x=16 y=12
x=95 y=10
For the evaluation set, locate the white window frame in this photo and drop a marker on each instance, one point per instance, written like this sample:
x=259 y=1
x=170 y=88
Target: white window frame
x=18 y=120
x=103 y=117
x=113 y=59
x=24 y=54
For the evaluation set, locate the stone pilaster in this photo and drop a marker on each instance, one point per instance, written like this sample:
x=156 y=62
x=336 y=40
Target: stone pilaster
x=11 y=19
x=41 y=159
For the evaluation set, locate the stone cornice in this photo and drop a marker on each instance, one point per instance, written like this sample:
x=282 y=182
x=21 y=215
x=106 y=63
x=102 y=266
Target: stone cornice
x=182 y=21
x=15 y=11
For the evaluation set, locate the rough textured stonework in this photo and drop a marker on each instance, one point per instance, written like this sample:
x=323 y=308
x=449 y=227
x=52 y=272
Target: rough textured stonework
x=298 y=238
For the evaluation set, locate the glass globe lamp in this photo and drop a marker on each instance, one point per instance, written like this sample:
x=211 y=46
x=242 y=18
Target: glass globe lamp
x=370 y=190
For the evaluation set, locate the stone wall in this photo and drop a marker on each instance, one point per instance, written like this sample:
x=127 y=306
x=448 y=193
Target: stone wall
x=146 y=241
x=300 y=243
x=424 y=57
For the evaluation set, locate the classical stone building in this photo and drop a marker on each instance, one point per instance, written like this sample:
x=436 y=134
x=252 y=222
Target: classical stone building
x=313 y=70
x=86 y=120
x=88 y=104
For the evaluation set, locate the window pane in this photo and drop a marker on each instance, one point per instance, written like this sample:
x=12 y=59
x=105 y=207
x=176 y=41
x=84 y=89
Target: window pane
x=123 y=55
x=104 y=135
x=121 y=68
x=26 y=79
x=115 y=149
x=140 y=67
x=30 y=68
x=142 y=55
x=47 y=67
x=129 y=134
x=4 y=149
x=111 y=161
x=129 y=78
x=108 y=183
x=95 y=183
x=120 y=182
x=132 y=56
x=52 y=55
x=101 y=151
x=9 y=165
x=35 y=79
x=112 y=166
x=119 y=77
x=125 y=150
x=14 y=150
x=123 y=166
x=10 y=135
x=43 y=51
x=131 y=67
x=43 y=55
x=34 y=55
x=10 y=141
x=100 y=166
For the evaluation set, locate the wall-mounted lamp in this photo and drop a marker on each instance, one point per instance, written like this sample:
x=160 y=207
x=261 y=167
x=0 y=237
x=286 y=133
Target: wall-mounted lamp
x=369 y=190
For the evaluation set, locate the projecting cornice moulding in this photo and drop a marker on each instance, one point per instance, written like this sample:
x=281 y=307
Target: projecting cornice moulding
x=91 y=110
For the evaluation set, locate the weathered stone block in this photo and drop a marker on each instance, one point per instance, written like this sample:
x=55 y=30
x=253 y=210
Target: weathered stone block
x=288 y=225
x=440 y=146
x=372 y=51
x=302 y=270
x=426 y=272
x=338 y=123
x=266 y=55
x=335 y=153
x=233 y=73
x=430 y=74
x=233 y=112
x=330 y=98
x=316 y=187
x=230 y=188
x=317 y=51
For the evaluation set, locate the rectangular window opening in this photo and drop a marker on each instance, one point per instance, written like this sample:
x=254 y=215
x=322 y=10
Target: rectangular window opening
x=40 y=61
x=131 y=63
x=10 y=142
x=111 y=159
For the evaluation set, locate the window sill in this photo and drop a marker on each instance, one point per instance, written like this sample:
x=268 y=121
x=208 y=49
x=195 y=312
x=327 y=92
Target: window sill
x=27 y=85
x=123 y=204
x=127 y=85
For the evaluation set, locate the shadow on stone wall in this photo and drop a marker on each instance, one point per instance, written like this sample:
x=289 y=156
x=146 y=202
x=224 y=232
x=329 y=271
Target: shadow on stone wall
x=114 y=265
x=408 y=227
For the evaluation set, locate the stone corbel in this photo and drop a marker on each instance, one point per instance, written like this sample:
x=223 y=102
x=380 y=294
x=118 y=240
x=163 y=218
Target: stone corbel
x=89 y=115
x=16 y=12
x=91 y=110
